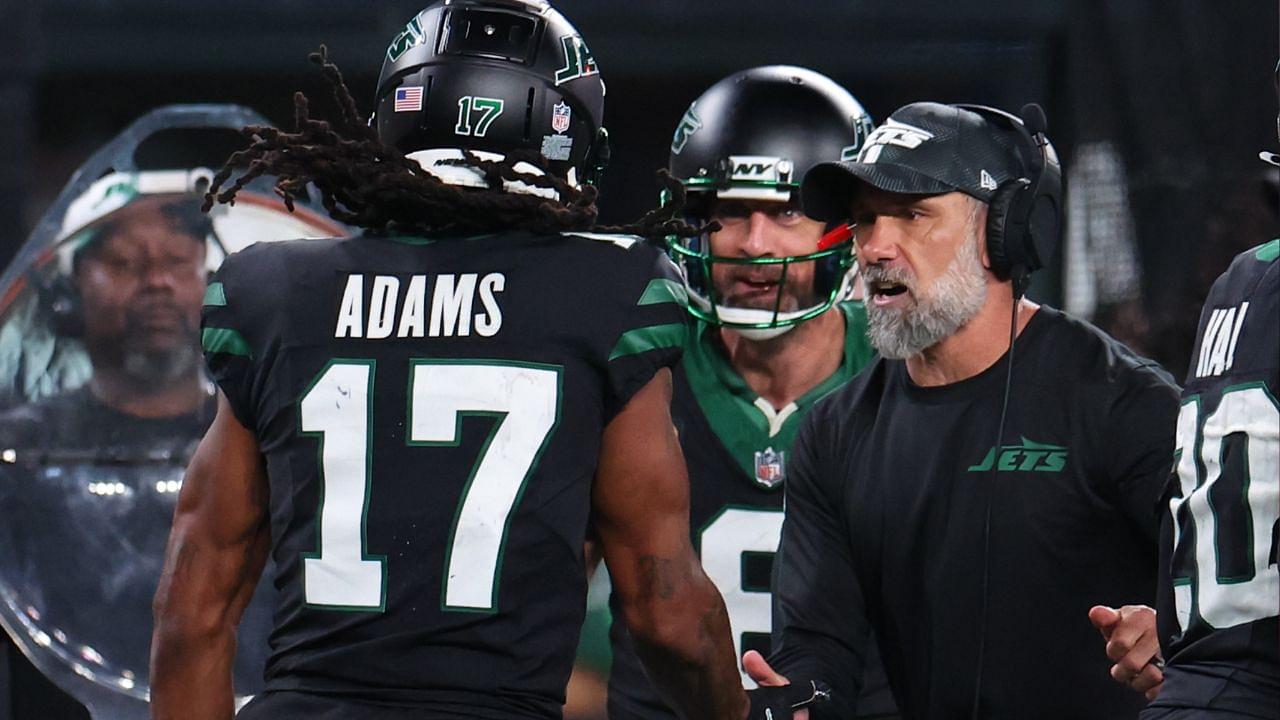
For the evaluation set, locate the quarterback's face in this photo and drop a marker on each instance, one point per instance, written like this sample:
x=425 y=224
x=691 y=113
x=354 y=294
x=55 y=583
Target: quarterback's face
x=143 y=284
x=763 y=229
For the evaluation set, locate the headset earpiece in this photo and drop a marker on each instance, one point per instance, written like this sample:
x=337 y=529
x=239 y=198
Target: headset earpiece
x=1003 y=207
x=1024 y=218
x=60 y=302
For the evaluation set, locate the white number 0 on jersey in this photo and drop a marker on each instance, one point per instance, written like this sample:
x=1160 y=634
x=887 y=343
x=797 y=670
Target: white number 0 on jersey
x=338 y=407
x=1220 y=600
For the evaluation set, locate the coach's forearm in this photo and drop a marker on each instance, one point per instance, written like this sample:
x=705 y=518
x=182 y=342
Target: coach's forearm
x=681 y=631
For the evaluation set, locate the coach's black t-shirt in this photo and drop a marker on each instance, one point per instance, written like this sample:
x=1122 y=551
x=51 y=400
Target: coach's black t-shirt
x=887 y=502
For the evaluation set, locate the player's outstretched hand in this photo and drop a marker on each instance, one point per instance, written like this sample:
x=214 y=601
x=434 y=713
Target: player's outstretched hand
x=1133 y=644
x=777 y=698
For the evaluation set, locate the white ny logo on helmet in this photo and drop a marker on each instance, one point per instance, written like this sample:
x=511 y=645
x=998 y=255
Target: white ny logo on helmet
x=892 y=133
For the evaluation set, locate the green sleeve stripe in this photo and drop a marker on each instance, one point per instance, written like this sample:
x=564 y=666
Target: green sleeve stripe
x=649 y=338
x=215 y=295
x=1269 y=251
x=224 y=340
x=662 y=290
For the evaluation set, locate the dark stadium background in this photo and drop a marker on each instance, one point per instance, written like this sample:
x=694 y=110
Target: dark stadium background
x=1179 y=92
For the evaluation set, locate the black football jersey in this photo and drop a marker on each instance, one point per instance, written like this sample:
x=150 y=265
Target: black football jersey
x=904 y=516
x=736 y=446
x=1220 y=592
x=430 y=413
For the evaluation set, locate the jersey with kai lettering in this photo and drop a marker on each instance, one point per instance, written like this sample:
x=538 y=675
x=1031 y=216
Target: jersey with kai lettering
x=1220 y=592
x=431 y=415
x=736 y=446
x=890 y=493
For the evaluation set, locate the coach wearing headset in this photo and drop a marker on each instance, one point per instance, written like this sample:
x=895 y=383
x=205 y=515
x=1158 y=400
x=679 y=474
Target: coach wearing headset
x=972 y=537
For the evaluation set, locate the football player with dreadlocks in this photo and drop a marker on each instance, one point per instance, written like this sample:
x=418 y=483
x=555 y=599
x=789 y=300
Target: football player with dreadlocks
x=435 y=411
x=1218 y=628
x=776 y=330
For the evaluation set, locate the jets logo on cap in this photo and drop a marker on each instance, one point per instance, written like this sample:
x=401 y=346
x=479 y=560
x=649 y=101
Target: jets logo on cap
x=894 y=133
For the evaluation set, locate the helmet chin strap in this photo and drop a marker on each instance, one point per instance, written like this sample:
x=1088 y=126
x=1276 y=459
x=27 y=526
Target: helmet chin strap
x=761 y=334
x=734 y=317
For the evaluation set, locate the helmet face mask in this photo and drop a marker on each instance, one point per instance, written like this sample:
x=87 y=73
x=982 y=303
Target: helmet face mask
x=832 y=281
x=751 y=137
x=497 y=76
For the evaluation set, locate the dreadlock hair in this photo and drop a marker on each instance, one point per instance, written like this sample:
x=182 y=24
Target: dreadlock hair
x=365 y=183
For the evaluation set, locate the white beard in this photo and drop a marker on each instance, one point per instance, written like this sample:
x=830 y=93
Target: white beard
x=939 y=311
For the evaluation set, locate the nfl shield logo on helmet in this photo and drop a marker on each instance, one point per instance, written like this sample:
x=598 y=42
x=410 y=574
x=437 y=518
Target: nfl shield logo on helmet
x=771 y=467
x=560 y=115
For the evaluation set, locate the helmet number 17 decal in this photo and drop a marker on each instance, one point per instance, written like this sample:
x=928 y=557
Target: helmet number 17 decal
x=476 y=114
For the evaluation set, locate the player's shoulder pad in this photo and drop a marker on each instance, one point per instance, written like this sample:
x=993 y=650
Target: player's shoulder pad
x=1267 y=252
x=1254 y=271
x=265 y=259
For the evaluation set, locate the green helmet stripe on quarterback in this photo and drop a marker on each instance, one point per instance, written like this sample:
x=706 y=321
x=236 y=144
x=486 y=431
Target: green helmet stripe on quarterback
x=751 y=137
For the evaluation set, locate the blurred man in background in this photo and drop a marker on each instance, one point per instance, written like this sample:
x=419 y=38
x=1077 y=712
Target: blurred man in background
x=100 y=462
x=133 y=295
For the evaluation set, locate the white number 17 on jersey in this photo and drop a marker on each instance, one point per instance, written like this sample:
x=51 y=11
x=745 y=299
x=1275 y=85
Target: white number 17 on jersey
x=524 y=398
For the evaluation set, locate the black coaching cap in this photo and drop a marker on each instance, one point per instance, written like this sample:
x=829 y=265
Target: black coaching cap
x=924 y=148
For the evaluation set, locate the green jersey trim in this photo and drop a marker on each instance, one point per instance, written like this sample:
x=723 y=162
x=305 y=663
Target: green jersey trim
x=215 y=295
x=662 y=290
x=225 y=340
x=1268 y=252
x=644 y=339
x=730 y=405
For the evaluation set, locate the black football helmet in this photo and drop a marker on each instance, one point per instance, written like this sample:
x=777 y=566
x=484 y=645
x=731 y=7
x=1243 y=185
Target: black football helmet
x=494 y=76
x=752 y=136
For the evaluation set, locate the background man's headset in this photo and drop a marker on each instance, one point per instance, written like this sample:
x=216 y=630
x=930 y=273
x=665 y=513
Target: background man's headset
x=1024 y=221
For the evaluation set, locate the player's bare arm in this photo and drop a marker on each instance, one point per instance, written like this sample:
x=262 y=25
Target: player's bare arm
x=216 y=552
x=675 y=614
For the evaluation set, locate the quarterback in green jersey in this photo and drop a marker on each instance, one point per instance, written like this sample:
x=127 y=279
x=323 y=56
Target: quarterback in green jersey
x=777 y=329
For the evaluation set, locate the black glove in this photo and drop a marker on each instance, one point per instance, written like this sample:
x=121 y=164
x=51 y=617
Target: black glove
x=778 y=703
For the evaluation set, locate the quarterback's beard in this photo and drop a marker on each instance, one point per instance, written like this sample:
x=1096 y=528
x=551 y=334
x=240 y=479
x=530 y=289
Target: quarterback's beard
x=939 y=311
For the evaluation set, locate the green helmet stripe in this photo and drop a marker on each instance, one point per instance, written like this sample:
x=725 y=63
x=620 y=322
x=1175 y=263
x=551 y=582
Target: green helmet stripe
x=662 y=290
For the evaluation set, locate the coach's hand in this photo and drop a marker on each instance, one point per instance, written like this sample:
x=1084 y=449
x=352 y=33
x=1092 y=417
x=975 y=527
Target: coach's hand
x=1133 y=644
x=776 y=698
